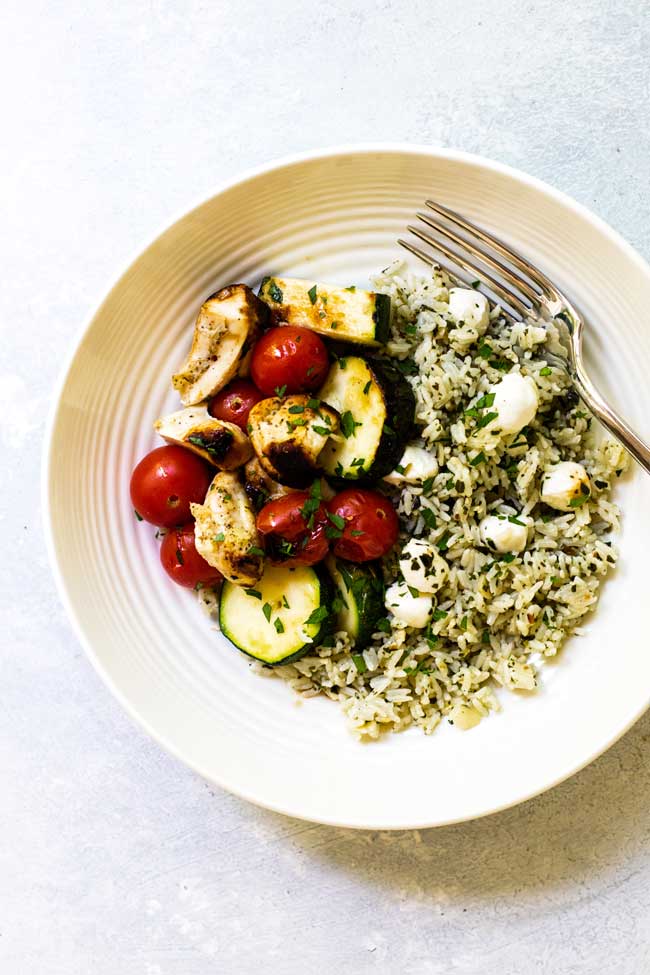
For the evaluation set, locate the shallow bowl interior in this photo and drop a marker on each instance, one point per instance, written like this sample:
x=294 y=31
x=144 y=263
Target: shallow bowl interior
x=334 y=216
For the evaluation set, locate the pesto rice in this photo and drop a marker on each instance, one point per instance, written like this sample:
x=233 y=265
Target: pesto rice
x=497 y=616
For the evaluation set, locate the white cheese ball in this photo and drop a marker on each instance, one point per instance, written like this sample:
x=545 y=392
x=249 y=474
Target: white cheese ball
x=515 y=402
x=416 y=465
x=407 y=608
x=422 y=566
x=565 y=486
x=502 y=535
x=470 y=307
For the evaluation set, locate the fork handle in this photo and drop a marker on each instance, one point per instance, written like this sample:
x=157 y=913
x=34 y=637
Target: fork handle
x=610 y=418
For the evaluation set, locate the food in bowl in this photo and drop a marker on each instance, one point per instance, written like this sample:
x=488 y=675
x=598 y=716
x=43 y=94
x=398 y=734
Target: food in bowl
x=407 y=505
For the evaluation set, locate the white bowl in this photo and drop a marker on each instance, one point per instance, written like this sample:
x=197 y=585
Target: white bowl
x=332 y=215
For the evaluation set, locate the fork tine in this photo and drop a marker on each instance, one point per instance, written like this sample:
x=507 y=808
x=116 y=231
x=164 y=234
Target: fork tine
x=453 y=274
x=505 y=272
x=536 y=276
x=502 y=292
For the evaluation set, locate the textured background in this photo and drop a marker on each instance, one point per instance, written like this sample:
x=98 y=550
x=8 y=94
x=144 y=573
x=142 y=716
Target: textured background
x=116 y=118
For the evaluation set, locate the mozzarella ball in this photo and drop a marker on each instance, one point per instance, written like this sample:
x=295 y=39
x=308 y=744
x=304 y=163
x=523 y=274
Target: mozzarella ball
x=470 y=307
x=407 y=608
x=422 y=567
x=502 y=535
x=416 y=465
x=565 y=486
x=515 y=402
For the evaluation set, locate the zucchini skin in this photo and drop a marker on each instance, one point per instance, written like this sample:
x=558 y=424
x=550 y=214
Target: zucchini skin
x=381 y=317
x=400 y=412
x=367 y=591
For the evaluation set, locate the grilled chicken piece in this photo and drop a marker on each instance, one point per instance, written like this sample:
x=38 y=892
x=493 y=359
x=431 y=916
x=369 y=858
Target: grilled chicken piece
x=222 y=444
x=228 y=325
x=260 y=487
x=225 y=531
x=288 y=437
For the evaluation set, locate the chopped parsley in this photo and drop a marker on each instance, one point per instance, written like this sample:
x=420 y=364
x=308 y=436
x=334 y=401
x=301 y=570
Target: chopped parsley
x=220 y=537
x=400 y=469
x=317 y=616
x=138 y=515
x=383 y=624
x=278 y=624
x=313 y=404
x=336 y=520
x=280 y=391
x=414 y=592
x=485 y=351
x=298 y=408
x=427 y=484
x=267 y=609
x=439 y=614
x=429 y=517
x=366 y=388
x=355 y=533
x=274 y=293
x=285 y=602
x=359 y=663
x=485 y=419
x=255 y=550
x=444 y=542
x=312 y=294
x=546 y=371
x=317 y=428
x=352 y=287
x=348 y=424
x=479 y=459
x=255 y=593
x=179 y=557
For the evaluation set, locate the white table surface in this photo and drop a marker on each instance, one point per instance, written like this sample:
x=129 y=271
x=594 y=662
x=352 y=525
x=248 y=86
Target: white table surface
x=116 y=118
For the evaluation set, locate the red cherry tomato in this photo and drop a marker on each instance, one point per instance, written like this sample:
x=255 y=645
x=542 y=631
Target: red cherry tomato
x=293 y=534
x=182 y=562
x=291 y=357
x=164 y=484
x=371 y=525
x=234 y=403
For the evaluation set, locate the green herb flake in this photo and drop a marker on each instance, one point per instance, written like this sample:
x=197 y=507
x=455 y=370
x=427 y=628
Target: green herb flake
x=179 y=557
x=298 y=408
x=255 y=593
x=463 y=623
x=427 y=484
x=331 y=532
x=359 y=663
x=280 y=391
x=366 y=388
x=400 y=469
x=334 y=325
x=138 y=515
x=278 y=624
x=516 y=521
x=546 y=371
x=274 y=293
x=508 y=558
x=485 y=636
x=439 y=614
x=317 y=616
x=352 y=287
x=198 y=587
x=255 y=550
x=485 y=351
x=313 y=404
x=476 y=284
x=220 y=537
x=313 y=292
x=485 y=419
x=414 y=592
x=324 y=431
x=348 y=424
x=579 y=501
x=356 y=533
x=383 y=625
x=443 y=543
x=486 y=400
x=429 y=517
x=336 y=520
x=267 y=609
x=479 y=459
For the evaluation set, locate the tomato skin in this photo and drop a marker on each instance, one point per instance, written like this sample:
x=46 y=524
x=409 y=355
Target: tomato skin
x=282 y=521
x=234 y=403
x=182 y=562
x=164 y=484
x=369 y=513
x=289 y=356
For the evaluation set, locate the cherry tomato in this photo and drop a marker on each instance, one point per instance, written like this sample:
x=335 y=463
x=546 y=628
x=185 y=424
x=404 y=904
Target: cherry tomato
x=293 y=534
x=368 y=521
x=234 y=403
x=182 y=562
x=164 y=484
x=289 y=357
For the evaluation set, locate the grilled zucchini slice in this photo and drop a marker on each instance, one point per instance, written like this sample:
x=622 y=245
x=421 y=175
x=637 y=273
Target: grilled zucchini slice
x=285 y=615
x=225 y=532
x=220 y=443
x=288 y=436
x=228 y=324
x=377 y=408
x=347 y=314
x=359 y=600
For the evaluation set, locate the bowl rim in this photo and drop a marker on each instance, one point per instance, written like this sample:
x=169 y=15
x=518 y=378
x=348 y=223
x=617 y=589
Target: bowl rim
x=48 y=472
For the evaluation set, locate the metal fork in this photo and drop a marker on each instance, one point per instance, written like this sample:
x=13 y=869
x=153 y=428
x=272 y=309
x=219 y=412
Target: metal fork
x=526 y=292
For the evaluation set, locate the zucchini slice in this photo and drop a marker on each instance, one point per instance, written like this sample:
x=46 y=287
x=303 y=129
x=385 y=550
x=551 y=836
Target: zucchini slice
x=359 y=600
x=283 y=617
x=377 y=407
x=349 y=314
